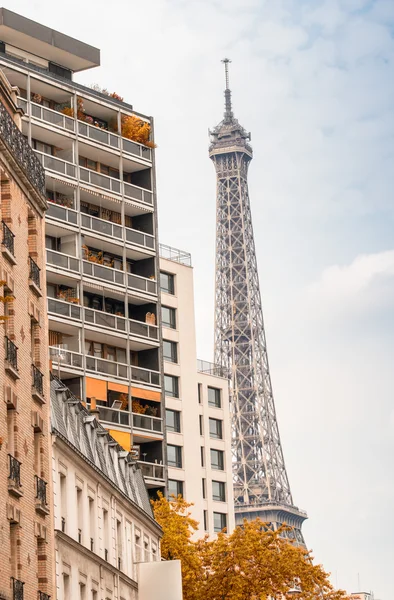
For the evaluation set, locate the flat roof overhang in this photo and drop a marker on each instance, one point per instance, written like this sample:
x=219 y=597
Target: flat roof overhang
x=46 y=43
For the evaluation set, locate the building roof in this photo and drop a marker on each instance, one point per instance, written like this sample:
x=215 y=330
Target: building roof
x=77 y=427
x=46 y=43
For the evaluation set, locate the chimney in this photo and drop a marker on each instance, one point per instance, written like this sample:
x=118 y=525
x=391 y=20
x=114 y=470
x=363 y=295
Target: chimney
x=93 y=408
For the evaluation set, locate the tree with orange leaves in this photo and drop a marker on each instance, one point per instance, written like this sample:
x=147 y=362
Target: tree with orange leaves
x=253 y=563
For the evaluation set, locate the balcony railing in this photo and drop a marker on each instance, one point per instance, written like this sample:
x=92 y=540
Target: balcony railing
x=52 y=163
x=107 y=274
x=104 y=319
x=102 y=181
x=112 y=415
x=63 y=261
x=21 y=150
x=152 y=470
x=55 y=211
x=136 y=282
x=38 y=380
x=138 y=193
x=148 y=423
x=41 y=491
x=114 y=141
x=145 y=376
x=66 y=358
x=43 y=596
x=64 y=309
x=22 y=103
x=34 y=274
x=14 y=475
x=11 y=353
x=143 y=329
x=108 y=367
x=102 y=226
x=140 y=239
x=8 y=239
x=52 y=116
x=17 y=589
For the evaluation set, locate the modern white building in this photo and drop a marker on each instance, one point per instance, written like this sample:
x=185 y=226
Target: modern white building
x=197 y=405
x=104 y=526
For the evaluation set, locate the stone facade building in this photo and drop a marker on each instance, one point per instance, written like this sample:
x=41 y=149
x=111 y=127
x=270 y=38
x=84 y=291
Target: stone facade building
x=104 y=526
x=26 y=567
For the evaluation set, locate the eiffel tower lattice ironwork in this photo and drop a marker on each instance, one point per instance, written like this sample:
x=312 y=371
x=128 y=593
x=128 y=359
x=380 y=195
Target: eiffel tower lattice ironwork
x=261 y=485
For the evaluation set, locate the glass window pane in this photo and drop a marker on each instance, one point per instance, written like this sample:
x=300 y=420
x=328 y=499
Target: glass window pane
x=173 y=421
x=171 y=386
x=215 y=429
x=167 y=283
x=217 y=461
x=175 y=488
x=168 y=317
x=214 y=397
x=170 y=351
x=219 y=521
x=174 y=456
x=218 y=491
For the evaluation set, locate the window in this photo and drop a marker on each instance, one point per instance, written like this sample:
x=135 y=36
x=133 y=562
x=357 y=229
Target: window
x=174 y=456
x=204 y=488
x=171 y=386
x=214 y=397
x=199 y=393
x=167 y=283
x=217 y=460
x=200 y=417
x=168 y=317
x=215 y=429
x=63 y=500
x=91 y=523
x=175 y=488
x=202 y=456
x=219 y=521
x=173 y=420
x=205 y=520
x=219 y=491
x=170 y=351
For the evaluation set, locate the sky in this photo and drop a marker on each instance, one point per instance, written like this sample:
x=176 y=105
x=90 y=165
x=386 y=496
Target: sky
x=313 y=80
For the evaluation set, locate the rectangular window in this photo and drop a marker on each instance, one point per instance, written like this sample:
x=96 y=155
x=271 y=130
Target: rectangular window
x=171 y=386
x=219 y=491
x=214 y=397
x=79 y=514
x=173 y=420
x=216 y=429
x=217 y=460
x=219 y=522
x=167 y=283
x=204 y=488
x=175 y=488
x=170 y=351
x=168 y=318
x=199 y=388
x=202 y=456
x=200 y=417
x=91 y=523
x=63 y=501
x=174 y=456
x=205 y=520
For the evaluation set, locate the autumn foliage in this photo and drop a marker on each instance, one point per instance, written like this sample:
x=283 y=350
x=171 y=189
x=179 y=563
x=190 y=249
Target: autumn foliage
x=253 y=563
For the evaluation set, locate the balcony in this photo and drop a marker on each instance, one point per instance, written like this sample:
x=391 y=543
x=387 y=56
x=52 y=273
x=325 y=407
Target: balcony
x=140 y=375
x=153 y=425
x=8 y=243
x=43 y=596
x=99 y=180
x=139 y=238
x=58 y=165
x=153 y=473
x=107 y=274
x=147 y=423
x=107 y=367
x=41 y=496
x=63 y=261
x=137 y=193
x=60 y=213
x=38 y=384
x=102 y=226
x=66 y=358
x=121 y=324
x=52 y=117
x=14 y=477
x=34 y=276
x=11 y=357
x=64 y=309
x=22 y=152
x=141 y=284
x=17 y=589
x=114 y=141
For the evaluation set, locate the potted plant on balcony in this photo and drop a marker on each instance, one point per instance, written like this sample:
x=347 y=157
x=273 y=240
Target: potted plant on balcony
x=137 y=408
x=151 y=411
x=135 y=129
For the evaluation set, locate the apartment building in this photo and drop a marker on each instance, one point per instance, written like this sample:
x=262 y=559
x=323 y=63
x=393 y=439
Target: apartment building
x=26 y=550
x=104 y=526
x=197 y=405
x=100 y=234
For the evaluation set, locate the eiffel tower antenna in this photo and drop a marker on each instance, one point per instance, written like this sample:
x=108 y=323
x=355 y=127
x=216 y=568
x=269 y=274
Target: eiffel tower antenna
x=261 y=486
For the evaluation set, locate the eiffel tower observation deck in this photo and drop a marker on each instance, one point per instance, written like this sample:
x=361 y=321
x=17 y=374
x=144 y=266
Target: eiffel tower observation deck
x=261 y=485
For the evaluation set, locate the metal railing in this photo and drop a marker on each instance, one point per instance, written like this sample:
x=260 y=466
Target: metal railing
x=137 y=149
x=102 y=272
x=143 y=329
x=145 y=376
x=141 y=239
x=68 y=215
x=148 y=423
x=175 y=255
x=8 y=239
x=102 y=181
x=142 y=284
x=43 y=596
x=17 y=589
x=113 y=415
x=11 y=353
x=104 y=319
x=152 y=470
x=22 y=103
x=204 y=366
x=21 y=151
x=108 y=367
x=34 y=273
x=113 y=140
x=53 y=163
x=14 y=471
x=137 y=193
x=52 y=116
x=64 y=309
x=41 y=490
x=63 y=261
x=102 y=226
x=66 y=358
x=38 y=380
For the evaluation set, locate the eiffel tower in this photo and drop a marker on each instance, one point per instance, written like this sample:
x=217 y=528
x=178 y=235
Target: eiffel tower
x=261 y=486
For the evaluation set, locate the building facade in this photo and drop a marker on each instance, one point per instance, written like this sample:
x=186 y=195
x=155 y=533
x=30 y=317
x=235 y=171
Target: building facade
x=104 y=526
x=197 y=405
x=101 y=234
x=26 y=552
